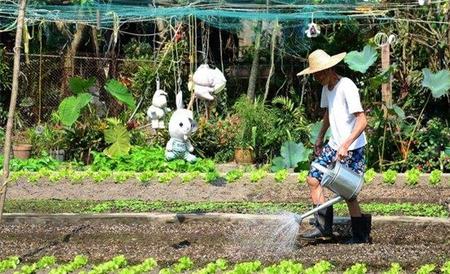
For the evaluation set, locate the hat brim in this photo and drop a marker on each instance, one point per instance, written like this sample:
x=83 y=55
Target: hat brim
x=334 y=60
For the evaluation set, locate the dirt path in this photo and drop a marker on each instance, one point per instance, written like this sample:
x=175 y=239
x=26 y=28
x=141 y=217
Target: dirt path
x=409 y=244
x=243 y=190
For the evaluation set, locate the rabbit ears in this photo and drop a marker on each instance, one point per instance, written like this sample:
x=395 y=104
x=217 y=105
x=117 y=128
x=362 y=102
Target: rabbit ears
x=179 y=100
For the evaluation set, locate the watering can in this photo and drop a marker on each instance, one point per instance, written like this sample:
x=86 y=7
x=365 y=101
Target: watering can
x=343 y=181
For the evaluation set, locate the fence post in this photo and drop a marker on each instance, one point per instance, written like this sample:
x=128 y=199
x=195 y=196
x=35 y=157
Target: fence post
x=12 y=105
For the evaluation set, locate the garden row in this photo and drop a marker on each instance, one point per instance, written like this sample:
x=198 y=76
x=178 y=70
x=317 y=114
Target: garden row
x=412 y=177
x=138 y=206
x=119 y=264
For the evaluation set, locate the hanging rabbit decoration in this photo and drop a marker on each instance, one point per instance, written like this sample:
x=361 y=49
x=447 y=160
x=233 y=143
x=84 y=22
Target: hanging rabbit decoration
x=158 y=109
x=313 y=29
x=181 y=126
x=208 y=81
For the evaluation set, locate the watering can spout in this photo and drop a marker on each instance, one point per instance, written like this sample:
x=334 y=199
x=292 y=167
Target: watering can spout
x=299 y=218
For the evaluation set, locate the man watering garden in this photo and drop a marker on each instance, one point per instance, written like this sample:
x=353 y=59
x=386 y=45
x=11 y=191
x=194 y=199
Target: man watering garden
x=345 y=117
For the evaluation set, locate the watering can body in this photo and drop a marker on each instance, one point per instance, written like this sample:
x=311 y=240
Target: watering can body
x=341 y=180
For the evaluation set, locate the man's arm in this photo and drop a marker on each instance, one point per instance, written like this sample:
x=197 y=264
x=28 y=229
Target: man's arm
x=323 y=130
x=360 y=125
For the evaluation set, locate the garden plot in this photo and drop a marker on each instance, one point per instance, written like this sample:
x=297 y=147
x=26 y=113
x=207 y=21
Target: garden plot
x=410 y=244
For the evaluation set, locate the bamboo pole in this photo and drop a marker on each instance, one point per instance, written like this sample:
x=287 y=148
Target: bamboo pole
x=12 y=105
x=386 y=88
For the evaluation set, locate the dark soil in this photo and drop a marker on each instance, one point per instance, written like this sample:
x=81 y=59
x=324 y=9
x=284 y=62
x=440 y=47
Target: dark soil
x=409 y=244
x=266 y=190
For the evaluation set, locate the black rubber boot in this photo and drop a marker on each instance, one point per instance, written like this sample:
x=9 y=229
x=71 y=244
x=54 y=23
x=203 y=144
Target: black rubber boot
x=361 y=227
x=323 y=225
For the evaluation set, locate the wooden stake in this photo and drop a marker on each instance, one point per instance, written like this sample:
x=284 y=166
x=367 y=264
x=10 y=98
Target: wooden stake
x=386 y=88
x=12 y=105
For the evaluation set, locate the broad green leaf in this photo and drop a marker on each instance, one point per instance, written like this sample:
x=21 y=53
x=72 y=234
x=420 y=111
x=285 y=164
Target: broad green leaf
x=399 y=111
x=438 y=83
x=315 y=130
x=381 y=78
x=83 y=100
x=79 y=85
x=361 y=60
x=278 y=163
x=293 y=153
x=120 y=92
x=119 y=138
x=69 y=111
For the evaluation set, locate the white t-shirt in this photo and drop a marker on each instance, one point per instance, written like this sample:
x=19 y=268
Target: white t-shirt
x=342 y=101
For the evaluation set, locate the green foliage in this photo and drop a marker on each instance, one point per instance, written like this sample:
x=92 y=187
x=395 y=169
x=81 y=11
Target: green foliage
x=79 y=85
x=166 y=177
x=369 y=175
x=321 y=267
x=412 y=176
x=426 y=269
x=445 y=269
x=120 y=92
x=302 y=175
x=291 y=155
x=9 y=263
x=189 y=176
x=435 y=177
x=33 y=164
x=120 y=177
x=357 y=268
x=148 y=159
x=285 y=266
x=146 y=176
x=234 y=175
x=257 y=175
x=394 y=269
x=361 y=60
x=281 y=175
x=211 y=176
x=315 y=130
x=184 y=263
x=119 y=139
x=213 y=267
x=146 y=266
x=44 y=262
x=246 y=267
x=70 y=108
x=438 y=83
x=389 y=176
x=109 y=266
x=78 y=262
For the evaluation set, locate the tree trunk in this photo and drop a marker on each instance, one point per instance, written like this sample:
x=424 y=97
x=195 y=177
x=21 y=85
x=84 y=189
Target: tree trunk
x=12 y=105
x=69 y=58
x=255 y=64
x=272 y=58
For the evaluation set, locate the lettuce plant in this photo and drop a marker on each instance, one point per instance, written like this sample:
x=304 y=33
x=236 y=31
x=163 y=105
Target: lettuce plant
x=412 y=176
x=389 y=176
x=281 y=175
x=435 y=177
x=369 y=175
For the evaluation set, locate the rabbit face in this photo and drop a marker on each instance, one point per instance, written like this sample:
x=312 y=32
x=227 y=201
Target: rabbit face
x=182 y=124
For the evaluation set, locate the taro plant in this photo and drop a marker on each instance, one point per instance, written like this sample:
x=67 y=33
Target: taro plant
x=412 y=176
x=281 y=175
x=118 y=137
x=292 y=154
x=389 y=176
x=361 y=60
x=369 y=175
x=435 y=177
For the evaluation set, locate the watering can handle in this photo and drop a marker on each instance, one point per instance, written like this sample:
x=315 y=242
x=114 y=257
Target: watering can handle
x=322 y=169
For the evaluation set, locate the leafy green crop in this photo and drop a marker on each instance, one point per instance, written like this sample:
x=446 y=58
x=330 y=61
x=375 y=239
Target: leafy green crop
x=285 y=266
x=246 y=267
x=109 y=266
x=320 y=267
x=426 y=269
x=412 y=176
x=257 y=175
x=44 y=262
x=435 y=177
x=445 y=269
x=357 y=268
x=189 y=176
x=146 y=266
x=234 y=175
x=9 y=263
x=78 y=262
x=394 y=269
x=302 y=177
x=389 y=176
x=281 y=175
x=369 y=175
x=167 y=177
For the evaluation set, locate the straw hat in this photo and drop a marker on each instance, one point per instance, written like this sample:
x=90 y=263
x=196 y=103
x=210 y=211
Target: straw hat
x=319 y=60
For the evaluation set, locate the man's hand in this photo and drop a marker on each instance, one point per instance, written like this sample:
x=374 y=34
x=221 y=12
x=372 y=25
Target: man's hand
x=318 y=146
x=342 y=152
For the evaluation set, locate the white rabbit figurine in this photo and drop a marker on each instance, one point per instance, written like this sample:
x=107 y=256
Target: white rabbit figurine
x=181 y=126
x=158 y=109
x=208 y=81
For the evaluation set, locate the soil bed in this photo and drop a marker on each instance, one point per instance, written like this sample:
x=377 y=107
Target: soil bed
x=242 y=190
x=410 y=244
